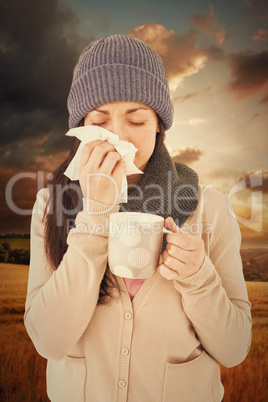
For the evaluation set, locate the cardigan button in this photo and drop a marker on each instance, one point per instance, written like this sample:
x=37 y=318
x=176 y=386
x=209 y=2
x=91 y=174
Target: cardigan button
x=122 y=383
x=128 y=316
x=124 y=351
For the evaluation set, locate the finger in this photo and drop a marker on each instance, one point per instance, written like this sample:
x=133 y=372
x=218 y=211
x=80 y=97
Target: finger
x=87 y=150
x=98 y=155
x=167 y=273
x=185 y=241
x=110 y=161
x=171 y=225
x=119 y=170
x=181 y=256
x=172 y=262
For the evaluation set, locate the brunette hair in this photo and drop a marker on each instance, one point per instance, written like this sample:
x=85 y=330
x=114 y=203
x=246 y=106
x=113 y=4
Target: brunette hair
x=64 y=203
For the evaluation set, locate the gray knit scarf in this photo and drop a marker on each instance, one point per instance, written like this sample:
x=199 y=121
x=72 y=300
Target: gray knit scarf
x=167 y=188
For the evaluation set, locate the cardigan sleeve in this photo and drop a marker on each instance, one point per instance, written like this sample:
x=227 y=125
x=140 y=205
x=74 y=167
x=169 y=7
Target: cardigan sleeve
x=61 y=302
x=215 y=298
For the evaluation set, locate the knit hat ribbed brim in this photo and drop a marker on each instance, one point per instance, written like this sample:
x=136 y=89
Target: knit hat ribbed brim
x=119 y=68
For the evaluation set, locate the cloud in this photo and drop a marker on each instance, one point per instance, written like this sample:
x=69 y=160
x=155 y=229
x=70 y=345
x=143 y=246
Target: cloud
x=196 y=121
x=192 y=122
x=19 y=187
x=257 y=6
x=214 y=53
x=255 y=115
x=262 y=35
x=186 y=97
x=264 y=99
x=185 y=155
x=220 y=179
x=180 y=55
x=249 y=73
x=45 y=152
x=22 y=195
x=51 y=162
x=40 y=45
x=211 y=27
x=190 y=95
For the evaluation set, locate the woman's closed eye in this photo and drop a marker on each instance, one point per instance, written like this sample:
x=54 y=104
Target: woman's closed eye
x=130 y=122
x=136 y=124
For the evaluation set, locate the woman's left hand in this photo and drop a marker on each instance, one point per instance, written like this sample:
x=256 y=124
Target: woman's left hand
x=184 y=254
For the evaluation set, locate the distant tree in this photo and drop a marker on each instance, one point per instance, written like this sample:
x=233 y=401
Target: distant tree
x=3 y=254
x=15 y=236
x=6 y=246
x=19 y=256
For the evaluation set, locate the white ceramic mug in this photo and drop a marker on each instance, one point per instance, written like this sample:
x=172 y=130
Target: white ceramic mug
x=135 y=243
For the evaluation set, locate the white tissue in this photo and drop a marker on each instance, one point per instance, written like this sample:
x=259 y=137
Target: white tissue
x=90 y=133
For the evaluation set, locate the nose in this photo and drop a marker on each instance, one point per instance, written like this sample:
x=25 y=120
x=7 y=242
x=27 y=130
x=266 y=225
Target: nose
x=118 y=127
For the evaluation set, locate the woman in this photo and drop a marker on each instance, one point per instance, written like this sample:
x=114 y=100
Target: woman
x=107 y=338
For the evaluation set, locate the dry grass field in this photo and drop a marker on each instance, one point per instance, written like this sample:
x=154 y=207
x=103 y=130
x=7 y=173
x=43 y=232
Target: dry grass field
x=248 y=382
x=22 y=370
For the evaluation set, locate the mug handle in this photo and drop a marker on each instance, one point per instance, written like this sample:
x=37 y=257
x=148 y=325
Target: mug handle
x=167 y=230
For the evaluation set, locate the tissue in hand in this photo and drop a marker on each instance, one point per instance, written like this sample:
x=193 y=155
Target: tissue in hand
x=125 y=149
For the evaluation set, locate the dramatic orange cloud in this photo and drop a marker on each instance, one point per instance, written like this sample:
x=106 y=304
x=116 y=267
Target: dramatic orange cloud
x=190 y=95
x=51 y=162
x=180 y=55
x=262 y=35
x=264 y=99
x=185 y=155
x=258 y=7
x=211 y=27
x=249 y=73
x=19 y=188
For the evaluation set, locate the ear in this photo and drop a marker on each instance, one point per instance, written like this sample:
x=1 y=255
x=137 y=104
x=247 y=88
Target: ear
x=158 y=127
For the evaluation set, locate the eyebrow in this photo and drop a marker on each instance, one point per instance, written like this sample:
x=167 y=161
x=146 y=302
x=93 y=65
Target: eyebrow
x=127 y=111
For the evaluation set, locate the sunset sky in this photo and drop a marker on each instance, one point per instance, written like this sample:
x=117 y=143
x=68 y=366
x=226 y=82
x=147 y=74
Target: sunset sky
x=216 y=58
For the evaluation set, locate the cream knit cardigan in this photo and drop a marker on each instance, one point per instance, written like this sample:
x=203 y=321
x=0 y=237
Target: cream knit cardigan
x=166 y=344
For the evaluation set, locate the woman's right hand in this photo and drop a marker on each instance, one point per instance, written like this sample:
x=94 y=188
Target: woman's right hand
x=101 y=172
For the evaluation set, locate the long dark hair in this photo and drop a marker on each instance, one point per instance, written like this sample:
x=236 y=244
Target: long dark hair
x=64 y=203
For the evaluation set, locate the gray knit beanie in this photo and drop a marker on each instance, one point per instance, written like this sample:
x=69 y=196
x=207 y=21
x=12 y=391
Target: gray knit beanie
x=119 y=68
